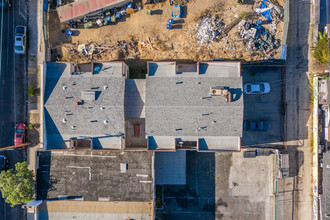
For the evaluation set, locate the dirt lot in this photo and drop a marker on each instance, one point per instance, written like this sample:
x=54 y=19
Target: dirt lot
x=148 y=39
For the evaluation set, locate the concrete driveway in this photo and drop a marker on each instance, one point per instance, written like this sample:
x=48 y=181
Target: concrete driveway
x=266 y=107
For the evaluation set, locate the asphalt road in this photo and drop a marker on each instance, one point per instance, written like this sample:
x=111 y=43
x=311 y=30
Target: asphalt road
x=12 y=93
x=294 y=193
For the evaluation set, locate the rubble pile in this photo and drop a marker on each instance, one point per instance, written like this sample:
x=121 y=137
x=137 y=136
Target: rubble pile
x=95 y=51
x=257 y=38
x=208 y=29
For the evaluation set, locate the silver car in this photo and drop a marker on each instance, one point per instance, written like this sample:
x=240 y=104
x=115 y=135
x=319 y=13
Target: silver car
x=20 y=39
x=256 y=88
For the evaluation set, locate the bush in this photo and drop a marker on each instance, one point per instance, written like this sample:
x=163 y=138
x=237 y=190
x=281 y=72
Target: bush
x=321 y=50
x=31 y=91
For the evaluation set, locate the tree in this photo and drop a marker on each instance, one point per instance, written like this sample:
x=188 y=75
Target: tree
x=17 y=185
x=321 y=50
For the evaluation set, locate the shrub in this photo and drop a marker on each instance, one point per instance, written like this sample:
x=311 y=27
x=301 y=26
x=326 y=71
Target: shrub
x=31 y=91
x=321 y=50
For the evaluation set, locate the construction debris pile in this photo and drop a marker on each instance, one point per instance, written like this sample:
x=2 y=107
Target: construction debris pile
x=257 y=38
x=208 y=29
x=118 y=50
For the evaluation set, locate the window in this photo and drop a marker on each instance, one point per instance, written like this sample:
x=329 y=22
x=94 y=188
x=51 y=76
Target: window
x=248 y=88
x=262 y=87
x=19 y=130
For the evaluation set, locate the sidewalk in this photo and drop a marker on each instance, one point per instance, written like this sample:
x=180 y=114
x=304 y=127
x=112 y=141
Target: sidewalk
x=34 y=80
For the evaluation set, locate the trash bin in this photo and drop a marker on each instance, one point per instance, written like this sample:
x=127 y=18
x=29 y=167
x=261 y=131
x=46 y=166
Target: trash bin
x=69 y=32
x=88 y=25
x=168 y=26
x=118 y=15
x=171 y=21
x=148 y=12
x=259 y=22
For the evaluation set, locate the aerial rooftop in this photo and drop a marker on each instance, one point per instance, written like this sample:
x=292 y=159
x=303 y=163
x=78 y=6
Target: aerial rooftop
x=179 y=105
x=82 y=103
x=96 y=176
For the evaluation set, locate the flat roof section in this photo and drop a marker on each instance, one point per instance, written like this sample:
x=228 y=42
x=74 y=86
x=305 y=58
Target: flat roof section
x=161 y=69
x=170 y=168
x=325 y=196
x=84 y=7
x=80 y=105
x=95 y=176
x=95 y=210
x=220 y=69
x=135 y=95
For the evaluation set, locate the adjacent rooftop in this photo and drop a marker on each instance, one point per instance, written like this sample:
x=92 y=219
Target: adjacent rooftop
x=95 y=176
x=82 y=102
x=188 y=103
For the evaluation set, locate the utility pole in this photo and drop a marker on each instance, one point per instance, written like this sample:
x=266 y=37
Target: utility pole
x=15 y=146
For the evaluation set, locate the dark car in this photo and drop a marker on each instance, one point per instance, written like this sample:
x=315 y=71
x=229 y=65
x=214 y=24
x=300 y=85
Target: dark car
x=256 y=125
x=3 y=163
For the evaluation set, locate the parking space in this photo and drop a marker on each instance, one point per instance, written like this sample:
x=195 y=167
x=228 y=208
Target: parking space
x=221 y=186
x=264 y=107
x=244 y=187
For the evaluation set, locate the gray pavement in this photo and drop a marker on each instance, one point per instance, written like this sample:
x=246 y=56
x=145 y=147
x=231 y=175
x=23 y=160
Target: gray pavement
x=294 y=199
x=264 y=107
x=12 y=99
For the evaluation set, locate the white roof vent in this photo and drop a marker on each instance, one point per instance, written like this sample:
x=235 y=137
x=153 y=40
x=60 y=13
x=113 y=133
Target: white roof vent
x=73 y=127
x=105 y=87
x=106 y=122
x=64 y=87
x=64 y=121
x=102 y=108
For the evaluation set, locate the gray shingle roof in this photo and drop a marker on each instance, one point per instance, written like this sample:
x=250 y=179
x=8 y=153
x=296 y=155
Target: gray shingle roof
x=102 y=118
x=178 y=106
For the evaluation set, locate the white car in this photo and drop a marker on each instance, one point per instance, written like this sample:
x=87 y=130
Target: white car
x=20 y=41
x=256 y=88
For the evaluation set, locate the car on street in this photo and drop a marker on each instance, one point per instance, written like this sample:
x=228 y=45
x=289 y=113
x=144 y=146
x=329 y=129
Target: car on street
x=256 y=88
x=3 y=163
x=256 y=125
x=20 y=39
x=20 y=134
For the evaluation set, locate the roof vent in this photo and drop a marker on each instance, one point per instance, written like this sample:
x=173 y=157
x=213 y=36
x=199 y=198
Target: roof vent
x=79 y=102
x=73 y=127
x=106 y=122
x=88 y=95
x=64 y=121
x=64 y=87
x=197 y=83
x=220 y=91
x=105 y=87
x=102 y=108
x=213 y=122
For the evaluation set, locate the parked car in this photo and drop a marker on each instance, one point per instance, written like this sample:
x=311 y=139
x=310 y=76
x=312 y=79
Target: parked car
x=256 y=88
x=3 y=163
x=20 y=39
x=256 y=125
x=20 y=133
